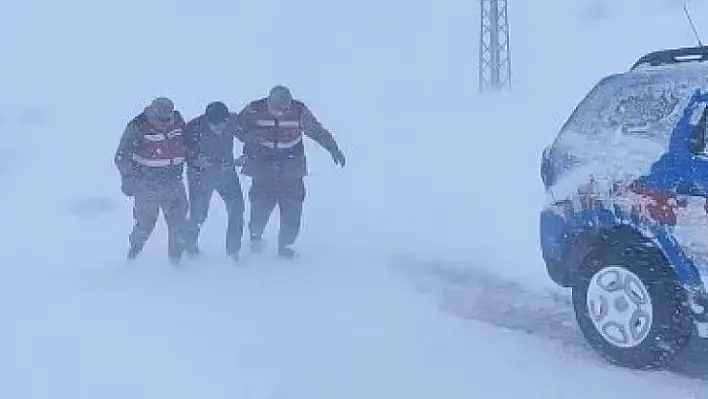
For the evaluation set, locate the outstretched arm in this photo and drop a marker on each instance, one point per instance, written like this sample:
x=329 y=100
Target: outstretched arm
x=314 y=130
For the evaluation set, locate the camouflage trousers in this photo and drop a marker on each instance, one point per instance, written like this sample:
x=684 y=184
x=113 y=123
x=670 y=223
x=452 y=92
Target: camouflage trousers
x=149 y=198
x=288 y=194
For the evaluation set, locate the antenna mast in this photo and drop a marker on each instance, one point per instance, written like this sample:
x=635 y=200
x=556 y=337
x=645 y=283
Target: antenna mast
x=690 y=22
x=494 y=49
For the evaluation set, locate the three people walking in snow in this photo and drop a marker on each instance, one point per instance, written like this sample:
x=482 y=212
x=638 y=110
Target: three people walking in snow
x=156 y=145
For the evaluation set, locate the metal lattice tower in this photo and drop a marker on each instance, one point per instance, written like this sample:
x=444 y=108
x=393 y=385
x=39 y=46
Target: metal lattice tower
x=494 y=49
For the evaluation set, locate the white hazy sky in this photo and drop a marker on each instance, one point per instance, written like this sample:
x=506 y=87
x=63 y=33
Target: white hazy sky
x=434 y=172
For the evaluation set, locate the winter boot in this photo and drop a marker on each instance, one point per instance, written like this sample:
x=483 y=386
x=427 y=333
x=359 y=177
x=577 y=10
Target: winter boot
x=256 y=245
x=175 y=256
x=134 y=251
x=191 y=247
x=233 y=253
x=192 y=250
x=287 y=252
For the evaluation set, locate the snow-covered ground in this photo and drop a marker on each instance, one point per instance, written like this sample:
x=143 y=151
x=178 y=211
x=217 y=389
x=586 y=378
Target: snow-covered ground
x=421 y=275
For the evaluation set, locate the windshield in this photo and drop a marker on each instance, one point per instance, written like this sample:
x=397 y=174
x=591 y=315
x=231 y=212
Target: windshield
x=620 y=129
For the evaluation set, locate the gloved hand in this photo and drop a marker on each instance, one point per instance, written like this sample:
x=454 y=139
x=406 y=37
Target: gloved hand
x=127 y=186
x=338 y=157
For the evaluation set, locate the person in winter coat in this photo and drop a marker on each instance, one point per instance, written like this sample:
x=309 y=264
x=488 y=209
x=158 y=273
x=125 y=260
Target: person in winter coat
x=272 y=130
x=211 y=167
x=150 y=159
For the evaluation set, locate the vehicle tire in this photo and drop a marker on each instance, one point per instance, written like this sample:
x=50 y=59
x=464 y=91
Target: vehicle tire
x=630 y=307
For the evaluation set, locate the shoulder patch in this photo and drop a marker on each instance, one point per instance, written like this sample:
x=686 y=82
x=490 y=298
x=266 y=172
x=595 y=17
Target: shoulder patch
x=139 y=121
x=178 y=118
x=140 y=118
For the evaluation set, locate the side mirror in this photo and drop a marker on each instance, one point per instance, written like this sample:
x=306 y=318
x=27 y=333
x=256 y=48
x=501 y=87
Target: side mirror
x=545 y=166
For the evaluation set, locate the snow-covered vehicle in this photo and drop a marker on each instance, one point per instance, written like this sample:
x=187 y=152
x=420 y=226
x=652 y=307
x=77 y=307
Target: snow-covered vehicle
x=625 y=222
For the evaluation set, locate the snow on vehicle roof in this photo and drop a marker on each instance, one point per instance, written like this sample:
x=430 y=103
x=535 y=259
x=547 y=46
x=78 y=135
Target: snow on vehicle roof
x=622 y=127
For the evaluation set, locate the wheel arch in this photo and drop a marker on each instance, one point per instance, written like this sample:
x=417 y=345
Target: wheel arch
x=684 y=272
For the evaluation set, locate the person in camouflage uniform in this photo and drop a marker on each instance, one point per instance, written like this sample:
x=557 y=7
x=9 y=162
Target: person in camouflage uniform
x=150 y=159
x=272 y=130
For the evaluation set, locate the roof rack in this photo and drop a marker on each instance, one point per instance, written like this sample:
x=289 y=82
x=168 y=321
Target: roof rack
x=673 y=56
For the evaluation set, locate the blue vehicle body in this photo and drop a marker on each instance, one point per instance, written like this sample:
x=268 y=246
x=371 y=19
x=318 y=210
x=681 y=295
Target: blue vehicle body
x=655 y=119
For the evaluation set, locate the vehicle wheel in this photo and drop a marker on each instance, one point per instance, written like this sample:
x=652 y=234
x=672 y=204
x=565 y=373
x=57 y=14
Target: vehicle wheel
x=629 y=306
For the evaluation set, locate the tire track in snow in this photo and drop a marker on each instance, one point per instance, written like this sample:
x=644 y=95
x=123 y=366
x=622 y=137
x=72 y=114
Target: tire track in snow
x=473 y=292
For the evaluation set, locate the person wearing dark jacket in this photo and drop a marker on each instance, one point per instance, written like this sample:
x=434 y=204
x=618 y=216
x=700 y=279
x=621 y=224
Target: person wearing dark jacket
x=150 y=159
x=211 y=167
x=272 y=130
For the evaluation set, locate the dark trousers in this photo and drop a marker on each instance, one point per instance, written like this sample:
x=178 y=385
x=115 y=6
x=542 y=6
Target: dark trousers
x=202 y=184
x=149 y=198
x=288 y=194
